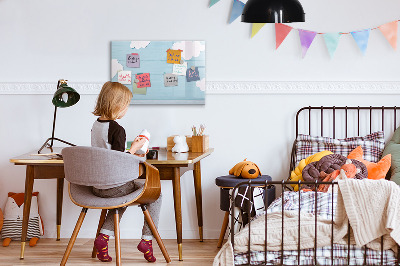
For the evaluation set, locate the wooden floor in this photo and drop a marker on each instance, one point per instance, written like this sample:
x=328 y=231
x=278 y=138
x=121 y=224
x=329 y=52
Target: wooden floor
x=50 y=252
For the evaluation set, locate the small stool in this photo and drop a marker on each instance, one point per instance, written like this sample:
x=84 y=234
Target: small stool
x=226 y=183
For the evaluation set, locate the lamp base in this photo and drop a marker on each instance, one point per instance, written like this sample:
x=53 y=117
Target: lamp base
x=50 y=146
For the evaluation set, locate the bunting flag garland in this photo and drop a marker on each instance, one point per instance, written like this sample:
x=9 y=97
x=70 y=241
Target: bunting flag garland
x=281 y=31
x=306 y=39
x=237 y=9
x=256 y=27
x=332 y=41
x=361 y=37
x=213 y=2
x=389 y=30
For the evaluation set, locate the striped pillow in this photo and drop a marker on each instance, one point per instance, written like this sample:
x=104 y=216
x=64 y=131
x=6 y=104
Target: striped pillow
x=372 y=145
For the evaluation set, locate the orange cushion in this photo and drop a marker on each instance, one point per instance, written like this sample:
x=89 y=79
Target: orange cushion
x=375 y=170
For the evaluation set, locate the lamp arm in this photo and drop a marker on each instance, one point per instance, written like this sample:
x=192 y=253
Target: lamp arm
x=46 y=143
x=54 y=118
x=54 y=126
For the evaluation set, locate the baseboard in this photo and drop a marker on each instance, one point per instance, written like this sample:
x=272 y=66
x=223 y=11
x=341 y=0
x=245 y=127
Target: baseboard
x=231 y=87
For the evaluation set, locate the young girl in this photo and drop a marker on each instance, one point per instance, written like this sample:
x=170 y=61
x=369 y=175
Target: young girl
x=112 y=104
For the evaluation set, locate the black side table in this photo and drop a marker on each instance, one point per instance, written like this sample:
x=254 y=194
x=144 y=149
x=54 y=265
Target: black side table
x=226 y=183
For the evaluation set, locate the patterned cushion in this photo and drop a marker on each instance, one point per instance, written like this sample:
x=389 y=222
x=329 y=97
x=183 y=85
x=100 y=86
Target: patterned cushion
x=372 y=144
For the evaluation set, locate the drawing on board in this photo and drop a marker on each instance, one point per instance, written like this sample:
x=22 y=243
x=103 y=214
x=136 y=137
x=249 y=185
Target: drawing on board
x=160 y=72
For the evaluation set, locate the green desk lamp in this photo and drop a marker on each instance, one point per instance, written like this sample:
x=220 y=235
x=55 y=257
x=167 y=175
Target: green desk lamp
x=65 y=96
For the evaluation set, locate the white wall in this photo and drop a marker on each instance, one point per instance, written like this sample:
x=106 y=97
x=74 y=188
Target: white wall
x=42 y=41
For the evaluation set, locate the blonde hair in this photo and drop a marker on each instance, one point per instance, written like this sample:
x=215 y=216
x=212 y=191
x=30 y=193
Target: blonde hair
x=112 y=99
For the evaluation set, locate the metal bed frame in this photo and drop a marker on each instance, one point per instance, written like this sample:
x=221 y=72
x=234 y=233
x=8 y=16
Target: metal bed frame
x=283 y=184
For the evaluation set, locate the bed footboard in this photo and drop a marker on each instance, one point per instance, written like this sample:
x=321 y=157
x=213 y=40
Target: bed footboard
x=383 y=258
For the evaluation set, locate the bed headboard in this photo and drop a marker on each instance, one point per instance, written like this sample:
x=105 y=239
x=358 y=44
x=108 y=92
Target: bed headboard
x=344 y=118
x=344 y=121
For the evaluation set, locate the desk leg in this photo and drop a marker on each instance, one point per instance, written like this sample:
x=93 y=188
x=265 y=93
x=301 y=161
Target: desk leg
x=197 y=189
x=27 y=206
x=176 y=182
x=60 y=190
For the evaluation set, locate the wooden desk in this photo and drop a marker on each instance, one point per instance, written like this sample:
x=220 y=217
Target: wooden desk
x=171 y=167
x=40 y=167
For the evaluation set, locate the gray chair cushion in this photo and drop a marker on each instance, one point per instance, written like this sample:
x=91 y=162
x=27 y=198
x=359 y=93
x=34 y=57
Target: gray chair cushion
x=84 y=196
x=99 y=167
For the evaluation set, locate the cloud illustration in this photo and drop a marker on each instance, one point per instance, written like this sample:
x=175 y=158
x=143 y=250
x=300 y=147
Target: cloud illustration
x=201 y=84
x=190 y=48
x=139 y=44
x=115 y=67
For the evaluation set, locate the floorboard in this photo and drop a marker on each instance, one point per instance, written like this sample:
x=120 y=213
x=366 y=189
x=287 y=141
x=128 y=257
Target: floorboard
x=49 y=252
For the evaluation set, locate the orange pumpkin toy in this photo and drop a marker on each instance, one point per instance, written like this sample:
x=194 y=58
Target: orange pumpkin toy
x=245 y=169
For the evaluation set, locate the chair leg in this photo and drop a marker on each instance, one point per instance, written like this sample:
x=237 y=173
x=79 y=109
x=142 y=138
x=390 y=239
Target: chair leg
x=101 y=222
x=73 y=237
x=154 y=230
x=223 y=229
x=117 y=239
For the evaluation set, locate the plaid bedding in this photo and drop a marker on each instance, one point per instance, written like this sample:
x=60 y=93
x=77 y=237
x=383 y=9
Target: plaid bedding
x=372 y=145
x=340 y=253
x=323 y=207
x=306 y=202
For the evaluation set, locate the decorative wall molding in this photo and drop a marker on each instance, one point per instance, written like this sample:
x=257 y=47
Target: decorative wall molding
x=47 y=88
x=233 y=87
x=304 y=87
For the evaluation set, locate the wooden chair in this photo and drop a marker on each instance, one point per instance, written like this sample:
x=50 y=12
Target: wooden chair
x=85 y=167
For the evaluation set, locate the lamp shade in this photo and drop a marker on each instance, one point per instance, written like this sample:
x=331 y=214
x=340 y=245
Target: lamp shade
x=273 y=11
x=65 y=96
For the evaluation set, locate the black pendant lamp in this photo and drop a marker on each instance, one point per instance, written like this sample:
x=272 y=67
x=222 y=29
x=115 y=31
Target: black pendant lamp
x=273 y=11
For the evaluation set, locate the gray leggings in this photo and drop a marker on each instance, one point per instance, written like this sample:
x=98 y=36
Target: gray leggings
x=154 y=208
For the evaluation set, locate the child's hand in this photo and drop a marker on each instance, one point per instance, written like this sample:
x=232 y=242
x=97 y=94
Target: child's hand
x=143 y=155
x=137 y=144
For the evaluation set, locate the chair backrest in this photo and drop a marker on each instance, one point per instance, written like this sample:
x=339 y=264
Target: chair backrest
x=92 y=166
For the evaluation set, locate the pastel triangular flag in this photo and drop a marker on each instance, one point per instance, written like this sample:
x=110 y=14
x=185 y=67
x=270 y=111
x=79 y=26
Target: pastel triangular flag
x=213 y=2
x=332 y=41
x=237 y=9
x=256 y=27
x=306 y=39
x=361 y=37
x=281 y=31
x=389 y=30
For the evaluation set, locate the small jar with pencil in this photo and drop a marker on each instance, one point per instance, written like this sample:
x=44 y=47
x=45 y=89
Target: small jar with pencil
x=199 y=140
